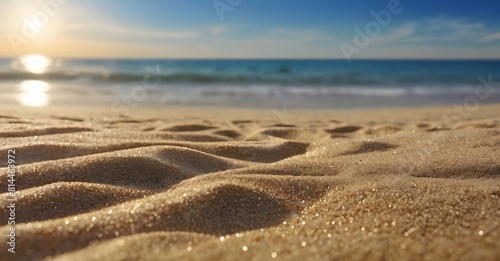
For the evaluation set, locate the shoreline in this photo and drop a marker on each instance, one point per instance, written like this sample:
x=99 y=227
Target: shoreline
x=435 y=112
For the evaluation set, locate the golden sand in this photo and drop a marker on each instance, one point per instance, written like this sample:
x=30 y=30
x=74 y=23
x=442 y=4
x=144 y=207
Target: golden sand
x=221 y=184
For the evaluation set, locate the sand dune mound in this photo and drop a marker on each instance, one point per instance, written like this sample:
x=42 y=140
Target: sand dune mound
x=321 y=187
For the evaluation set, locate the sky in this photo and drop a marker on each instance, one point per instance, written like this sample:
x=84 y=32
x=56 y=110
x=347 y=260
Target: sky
x=353 y=29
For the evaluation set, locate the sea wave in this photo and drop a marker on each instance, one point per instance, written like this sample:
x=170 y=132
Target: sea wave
x=347 y=79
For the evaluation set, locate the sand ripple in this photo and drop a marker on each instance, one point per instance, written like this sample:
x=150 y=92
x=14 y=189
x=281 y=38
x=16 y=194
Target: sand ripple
x=154 y=189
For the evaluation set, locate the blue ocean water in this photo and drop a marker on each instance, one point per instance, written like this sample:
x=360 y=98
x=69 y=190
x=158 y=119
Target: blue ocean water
x=251 y=83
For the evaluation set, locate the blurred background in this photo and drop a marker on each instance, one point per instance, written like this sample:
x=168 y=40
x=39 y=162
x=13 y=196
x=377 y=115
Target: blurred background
x=249 y=53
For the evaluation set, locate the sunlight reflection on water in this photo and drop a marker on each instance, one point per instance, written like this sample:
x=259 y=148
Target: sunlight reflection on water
x=33 y=93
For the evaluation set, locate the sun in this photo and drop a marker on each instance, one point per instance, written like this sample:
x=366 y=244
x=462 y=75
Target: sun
x=33 y=26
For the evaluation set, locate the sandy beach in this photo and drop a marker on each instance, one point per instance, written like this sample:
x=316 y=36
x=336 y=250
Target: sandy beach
x=226 y=184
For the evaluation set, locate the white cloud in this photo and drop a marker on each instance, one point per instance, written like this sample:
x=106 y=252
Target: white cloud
x=217 y=29
x=106 y=33
x=438 y=24
x=304 y=36
x=491 y=37
x=100 y=32
x=439 y=30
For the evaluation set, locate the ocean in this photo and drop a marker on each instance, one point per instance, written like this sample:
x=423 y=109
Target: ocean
x=248 y=83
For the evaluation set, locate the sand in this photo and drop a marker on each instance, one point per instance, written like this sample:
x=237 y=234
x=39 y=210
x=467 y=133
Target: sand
x=226 y=184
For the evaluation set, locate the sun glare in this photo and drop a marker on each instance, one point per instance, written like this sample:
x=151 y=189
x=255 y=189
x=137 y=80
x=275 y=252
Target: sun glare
x=35 y=63
x=32 y=86
x=33 y=93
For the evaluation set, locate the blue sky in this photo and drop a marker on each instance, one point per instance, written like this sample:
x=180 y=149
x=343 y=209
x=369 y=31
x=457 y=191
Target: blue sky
x=251 y=29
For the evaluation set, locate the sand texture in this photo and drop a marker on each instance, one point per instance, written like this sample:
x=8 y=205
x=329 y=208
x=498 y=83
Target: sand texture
x=195 y=184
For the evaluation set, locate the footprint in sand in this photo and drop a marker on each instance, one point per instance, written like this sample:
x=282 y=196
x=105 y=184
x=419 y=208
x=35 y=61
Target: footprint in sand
x=344 y=129
x=188 y=127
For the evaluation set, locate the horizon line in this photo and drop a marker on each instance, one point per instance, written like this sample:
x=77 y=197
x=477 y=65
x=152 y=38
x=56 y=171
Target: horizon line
x=260 y=58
